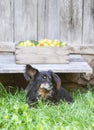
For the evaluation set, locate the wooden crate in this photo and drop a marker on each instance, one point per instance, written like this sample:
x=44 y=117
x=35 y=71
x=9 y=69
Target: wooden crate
x=41 y=55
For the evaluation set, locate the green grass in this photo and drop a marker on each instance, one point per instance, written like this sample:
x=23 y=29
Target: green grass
x=15 y=114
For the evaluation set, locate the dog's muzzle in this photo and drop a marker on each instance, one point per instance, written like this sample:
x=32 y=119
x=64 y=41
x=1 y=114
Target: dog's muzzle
x=45 y=91
x=46 y=86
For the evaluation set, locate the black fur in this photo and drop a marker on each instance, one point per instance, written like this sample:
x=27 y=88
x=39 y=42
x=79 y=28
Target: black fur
x=45 y=84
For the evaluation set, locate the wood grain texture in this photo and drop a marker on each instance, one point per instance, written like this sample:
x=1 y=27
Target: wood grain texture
x=77 y=65
x=65 y=18
x=76 y=22
x=86 y=49
x=7 y=47
x=6 y=20
x=41 y=19
x=52 y=19
x=71 y=21
x=29 y=55
x=25 y=19
x=88 y=22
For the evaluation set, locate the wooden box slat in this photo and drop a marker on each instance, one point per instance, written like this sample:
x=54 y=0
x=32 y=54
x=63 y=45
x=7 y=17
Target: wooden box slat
x=33 y=55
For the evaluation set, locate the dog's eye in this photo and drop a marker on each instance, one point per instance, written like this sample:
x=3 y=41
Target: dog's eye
x=44 y=76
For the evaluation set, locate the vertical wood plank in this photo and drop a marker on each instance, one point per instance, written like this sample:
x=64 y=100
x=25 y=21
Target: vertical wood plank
x=71 y=21
x=88 y=22
x=76 y=21
x=6 y=20
x=41 y=18
x=52 y=19
x=25 y=19
x=65 y=20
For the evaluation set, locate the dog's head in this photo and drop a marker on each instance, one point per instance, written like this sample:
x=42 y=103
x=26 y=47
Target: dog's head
x=46 y=80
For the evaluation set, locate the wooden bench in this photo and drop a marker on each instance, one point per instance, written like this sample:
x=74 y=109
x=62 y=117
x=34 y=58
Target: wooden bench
x=7 y=63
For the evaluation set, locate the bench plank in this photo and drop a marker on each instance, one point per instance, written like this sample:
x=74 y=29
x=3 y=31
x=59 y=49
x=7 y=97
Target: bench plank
x=76 y=65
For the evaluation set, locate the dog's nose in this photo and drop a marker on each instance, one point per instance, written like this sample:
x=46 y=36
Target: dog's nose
x=48 y=86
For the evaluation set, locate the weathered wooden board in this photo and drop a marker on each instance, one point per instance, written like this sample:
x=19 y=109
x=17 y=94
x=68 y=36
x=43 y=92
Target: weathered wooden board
x=41 y=19
x=6 y=20
x=7 y=47
x=66 y=20
x=31 y=55
x=60 y=19
x=25 y=19
x=76 y=21
x=71 y=21
x=76 y=65
x=52 y=19
x=87 y=49
x=88 y=22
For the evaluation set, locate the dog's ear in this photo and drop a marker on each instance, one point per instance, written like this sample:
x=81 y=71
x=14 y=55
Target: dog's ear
x=30 y=72
x=55 y=79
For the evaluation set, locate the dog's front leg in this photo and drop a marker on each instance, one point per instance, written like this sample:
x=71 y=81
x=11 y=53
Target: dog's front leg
x=31 y=97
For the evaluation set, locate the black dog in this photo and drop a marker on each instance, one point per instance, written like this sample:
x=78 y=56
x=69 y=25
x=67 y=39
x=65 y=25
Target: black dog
x=46 y=85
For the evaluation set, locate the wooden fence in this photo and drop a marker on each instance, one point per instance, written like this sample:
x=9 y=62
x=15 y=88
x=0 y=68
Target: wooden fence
x=67 y=20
